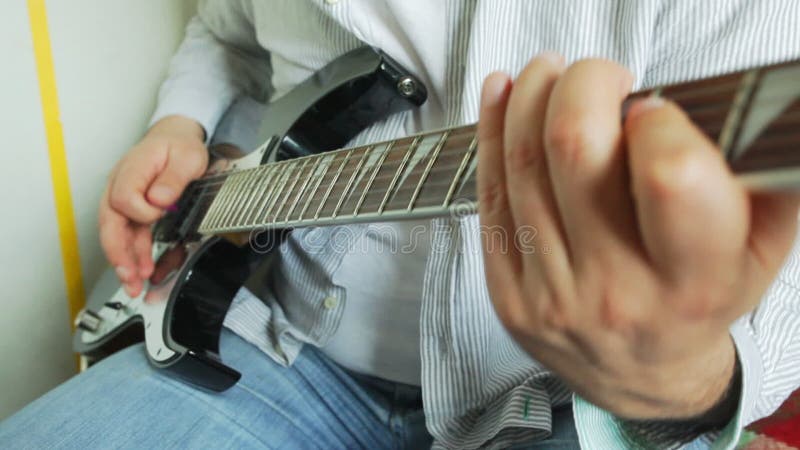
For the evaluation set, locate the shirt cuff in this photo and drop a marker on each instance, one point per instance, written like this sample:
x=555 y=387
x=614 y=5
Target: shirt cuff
x=194 y=104
x=598 y=428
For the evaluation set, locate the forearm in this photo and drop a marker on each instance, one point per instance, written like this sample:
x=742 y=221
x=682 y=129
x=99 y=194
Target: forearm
x=178 y=124
x=218 y=60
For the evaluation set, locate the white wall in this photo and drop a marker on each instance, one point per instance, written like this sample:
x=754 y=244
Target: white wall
x=110 y=56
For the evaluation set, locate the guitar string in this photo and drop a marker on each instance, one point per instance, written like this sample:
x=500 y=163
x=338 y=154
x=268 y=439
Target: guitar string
x=266 y=169
x=462 y=131
x=465 y=131
x=298 y=196
x=468 y=129
x=415 y=160
x=369 y=207
x=677 y=92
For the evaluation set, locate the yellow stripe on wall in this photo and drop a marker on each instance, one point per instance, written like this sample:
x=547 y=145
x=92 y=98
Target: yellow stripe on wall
x=58 y=159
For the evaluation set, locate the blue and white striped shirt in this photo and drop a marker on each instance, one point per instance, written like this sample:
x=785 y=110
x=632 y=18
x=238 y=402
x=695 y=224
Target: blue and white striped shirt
x=480 y=389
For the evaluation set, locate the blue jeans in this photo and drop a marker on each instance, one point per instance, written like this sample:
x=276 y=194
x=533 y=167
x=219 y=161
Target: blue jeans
x=122 y=402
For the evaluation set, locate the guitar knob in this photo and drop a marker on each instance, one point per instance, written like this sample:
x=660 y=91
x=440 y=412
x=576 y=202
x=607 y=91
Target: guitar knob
x=88 y=321
x=115 y=305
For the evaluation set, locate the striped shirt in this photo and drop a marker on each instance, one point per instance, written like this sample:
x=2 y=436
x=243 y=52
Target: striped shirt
x=479 y=388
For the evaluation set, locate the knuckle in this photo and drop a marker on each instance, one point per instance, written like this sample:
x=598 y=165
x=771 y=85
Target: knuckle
x=492 y=196
x=122 y=201
x=567 y=139
x=554 y=315
x=522 y=156
x=614 y=312
x=514 y=318
x=681 y=173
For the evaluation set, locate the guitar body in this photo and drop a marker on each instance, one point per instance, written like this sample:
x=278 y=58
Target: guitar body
x=181 y=317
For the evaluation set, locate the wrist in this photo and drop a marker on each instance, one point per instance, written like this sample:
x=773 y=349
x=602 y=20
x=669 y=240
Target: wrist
x=711 y=380
x=678 y=390
x=667 y=433
x=176 y=125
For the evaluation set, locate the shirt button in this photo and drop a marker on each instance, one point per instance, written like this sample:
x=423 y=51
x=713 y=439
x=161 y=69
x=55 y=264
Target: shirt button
x=330 y=302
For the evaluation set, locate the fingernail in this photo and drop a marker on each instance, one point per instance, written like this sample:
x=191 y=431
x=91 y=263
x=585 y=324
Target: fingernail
x=643 y=106
x=129 y=290
x=494 y=87
x=553 y=57
x=122 y=272
x=162 y=193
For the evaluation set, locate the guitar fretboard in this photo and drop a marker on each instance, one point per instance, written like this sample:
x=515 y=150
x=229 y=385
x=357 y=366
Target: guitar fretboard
x=754 y=116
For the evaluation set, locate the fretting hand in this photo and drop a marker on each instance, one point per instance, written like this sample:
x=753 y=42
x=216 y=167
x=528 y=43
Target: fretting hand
x=654 y=248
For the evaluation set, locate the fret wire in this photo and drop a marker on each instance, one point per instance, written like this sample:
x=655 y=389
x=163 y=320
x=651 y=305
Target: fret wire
x=289 y=192
x=378 y=166
x=464 y=129
x=234 y=199
x=261 y=194
x=212 y=212
x=451 y=150
x=400 y=169
x=228 y=208
x=299 y=160
x=211 y=179
x=320 y=177
x=380 y=177
x=247 y=197
x=250 y=195
x=738 y=108
x=434 y=188
x=303 y=187
x=352 y=178
x=287 y=171
x=439 y=170
x=220 y=202
x=679 y=94
x=460 y=172
x=691 y=111
x=427 y=170
x=333 y=183
x=275 y=176
x=218 y=208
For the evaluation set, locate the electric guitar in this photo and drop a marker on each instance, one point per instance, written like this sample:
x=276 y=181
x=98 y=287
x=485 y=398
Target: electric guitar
x=297 y=178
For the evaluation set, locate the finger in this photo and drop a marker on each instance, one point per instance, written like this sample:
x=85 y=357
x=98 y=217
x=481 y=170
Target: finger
x=127 y=189
x=115 y=239
x=584 y=147
x=501 y=262
x=693 y=215
x=527 y=178
x=143 y=250
x=181 y=167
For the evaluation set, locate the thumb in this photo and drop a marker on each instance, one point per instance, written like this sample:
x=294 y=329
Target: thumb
x=183 y=165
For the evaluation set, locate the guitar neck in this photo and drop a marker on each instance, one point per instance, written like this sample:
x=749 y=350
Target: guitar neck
x=754 y=116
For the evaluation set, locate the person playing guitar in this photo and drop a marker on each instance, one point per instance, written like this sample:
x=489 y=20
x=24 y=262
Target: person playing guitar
x=652 y=304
